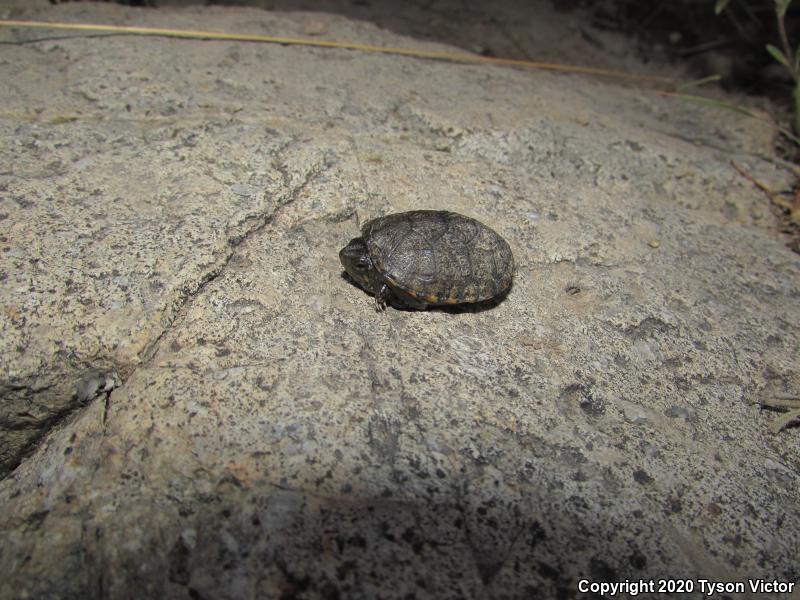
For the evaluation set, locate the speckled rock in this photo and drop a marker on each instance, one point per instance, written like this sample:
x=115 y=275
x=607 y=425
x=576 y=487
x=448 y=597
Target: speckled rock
x=236 y=421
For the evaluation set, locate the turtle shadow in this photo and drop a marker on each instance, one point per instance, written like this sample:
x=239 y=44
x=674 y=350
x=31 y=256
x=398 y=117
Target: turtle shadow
x=453 y=309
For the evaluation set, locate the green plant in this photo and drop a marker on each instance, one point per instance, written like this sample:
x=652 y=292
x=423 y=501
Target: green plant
x=785 y=56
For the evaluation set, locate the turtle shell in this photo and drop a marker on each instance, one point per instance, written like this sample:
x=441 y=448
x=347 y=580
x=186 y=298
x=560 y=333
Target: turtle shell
x=439 y=257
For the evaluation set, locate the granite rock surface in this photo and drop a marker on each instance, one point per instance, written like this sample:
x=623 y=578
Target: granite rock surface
x=197 y=404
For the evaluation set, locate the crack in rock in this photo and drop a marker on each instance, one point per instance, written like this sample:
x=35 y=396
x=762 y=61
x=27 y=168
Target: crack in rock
x=96 y=384
x=259 y=221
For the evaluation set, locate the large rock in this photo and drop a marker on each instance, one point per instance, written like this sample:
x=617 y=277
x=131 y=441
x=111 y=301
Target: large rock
x=251 y=427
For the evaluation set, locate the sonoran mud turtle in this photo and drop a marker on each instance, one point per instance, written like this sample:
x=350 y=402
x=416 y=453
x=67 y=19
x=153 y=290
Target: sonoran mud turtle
x=427 y=258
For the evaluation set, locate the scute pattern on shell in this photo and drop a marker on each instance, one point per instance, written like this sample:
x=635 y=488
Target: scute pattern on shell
x=439 y=257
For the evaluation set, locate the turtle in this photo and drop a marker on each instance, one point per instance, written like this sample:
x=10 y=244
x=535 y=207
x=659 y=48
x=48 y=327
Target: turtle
x=423 y=258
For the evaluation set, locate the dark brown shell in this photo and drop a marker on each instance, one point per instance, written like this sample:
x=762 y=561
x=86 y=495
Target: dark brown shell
x=439 y=257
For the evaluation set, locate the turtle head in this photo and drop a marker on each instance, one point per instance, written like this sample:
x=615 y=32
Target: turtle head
x=356 y=261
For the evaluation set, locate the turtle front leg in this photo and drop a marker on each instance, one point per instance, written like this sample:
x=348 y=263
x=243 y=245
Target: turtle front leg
x=382 y=297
